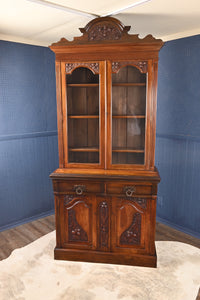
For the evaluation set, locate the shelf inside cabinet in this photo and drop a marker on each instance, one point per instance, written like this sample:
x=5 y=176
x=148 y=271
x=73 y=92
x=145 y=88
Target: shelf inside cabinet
x=129 y=117
x=127 y=84
x=93 y=149
x=125 y=150
x=83 y=116
x=82 y=84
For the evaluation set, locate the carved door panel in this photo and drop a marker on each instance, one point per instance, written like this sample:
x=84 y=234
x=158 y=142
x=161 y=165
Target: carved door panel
x=129 y=221
x=78 y=217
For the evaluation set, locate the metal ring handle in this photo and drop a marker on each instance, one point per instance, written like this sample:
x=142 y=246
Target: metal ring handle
x=129 y=193
x=79 y=189
x=129 y=190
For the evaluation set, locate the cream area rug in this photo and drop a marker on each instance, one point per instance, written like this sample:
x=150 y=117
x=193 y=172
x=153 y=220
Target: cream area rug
x=31 y=273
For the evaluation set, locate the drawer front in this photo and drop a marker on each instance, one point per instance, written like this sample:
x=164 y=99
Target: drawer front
x=128 y=189
x=79 y=187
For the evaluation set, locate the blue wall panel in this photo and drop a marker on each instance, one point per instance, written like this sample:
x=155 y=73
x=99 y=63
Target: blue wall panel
x=28 y=136
x=28 y=133
x=178 y=134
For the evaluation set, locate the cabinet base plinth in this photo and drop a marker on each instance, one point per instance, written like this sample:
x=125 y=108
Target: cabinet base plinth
x=106 y=257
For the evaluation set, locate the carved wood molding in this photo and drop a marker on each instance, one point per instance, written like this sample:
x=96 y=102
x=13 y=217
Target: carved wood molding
x=141 y=65
x=70 y=67
x=103 y=224
x=132 y=235
x=106 y=30
x=142 y=202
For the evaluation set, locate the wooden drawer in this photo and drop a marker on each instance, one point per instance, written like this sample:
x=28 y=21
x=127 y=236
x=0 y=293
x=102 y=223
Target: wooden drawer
x=78 y=187
x=128 y=189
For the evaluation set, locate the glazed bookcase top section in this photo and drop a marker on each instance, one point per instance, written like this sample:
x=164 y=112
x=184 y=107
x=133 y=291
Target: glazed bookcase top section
x=107 y=30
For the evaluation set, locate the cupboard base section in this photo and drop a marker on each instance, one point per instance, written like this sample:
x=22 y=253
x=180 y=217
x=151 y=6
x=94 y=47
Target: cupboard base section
x=106 y=257
x=106 y=219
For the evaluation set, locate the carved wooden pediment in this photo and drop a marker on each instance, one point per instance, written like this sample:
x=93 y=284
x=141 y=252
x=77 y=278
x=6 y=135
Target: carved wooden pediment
x=106 y=30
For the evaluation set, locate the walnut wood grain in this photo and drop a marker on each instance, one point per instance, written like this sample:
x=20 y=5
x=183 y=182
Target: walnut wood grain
x=106 y=93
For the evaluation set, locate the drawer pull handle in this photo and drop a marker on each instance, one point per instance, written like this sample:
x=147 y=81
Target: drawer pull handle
x=79 y=189
x=129 y=190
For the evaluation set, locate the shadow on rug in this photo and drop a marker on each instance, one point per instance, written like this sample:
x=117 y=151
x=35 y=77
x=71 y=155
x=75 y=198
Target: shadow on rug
x=31 y=273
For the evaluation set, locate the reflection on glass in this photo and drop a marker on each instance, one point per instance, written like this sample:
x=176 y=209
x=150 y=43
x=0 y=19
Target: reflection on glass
x=83 y=116
x=128 y=116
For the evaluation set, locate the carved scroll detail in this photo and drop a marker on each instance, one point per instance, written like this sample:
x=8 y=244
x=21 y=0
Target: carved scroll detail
x=103 y=224
x=141 y=65
x=68 y=199
x=132 y=235
x=142 y=202
x=94 y=67
x=75 y=231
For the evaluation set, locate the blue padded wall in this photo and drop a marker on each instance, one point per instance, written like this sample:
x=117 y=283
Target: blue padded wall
x=178 y=134
x=28 y=136
x=28 y=132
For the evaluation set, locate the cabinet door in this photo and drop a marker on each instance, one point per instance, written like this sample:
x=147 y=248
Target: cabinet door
x=83 y=106
x=77 y=220
x=127 y=120
x=130 y=230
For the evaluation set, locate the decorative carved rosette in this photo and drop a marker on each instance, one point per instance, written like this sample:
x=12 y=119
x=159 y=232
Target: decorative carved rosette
x=103 y=224
x=70 y=67
x=141 y=65
x=142 y=202
x=68 y=199
x=104 y=32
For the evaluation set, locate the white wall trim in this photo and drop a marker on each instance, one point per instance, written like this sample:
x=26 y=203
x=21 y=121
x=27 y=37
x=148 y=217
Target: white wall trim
x=18 y=39
x=180 y=35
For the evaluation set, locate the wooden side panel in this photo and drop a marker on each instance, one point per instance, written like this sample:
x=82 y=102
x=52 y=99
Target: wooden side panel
x=59 y=114
x=153 y=113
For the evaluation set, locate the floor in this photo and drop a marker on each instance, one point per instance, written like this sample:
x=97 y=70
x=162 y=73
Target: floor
x=24 y=234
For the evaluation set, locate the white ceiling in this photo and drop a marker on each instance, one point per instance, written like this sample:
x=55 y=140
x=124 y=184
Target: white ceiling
x=33 y=23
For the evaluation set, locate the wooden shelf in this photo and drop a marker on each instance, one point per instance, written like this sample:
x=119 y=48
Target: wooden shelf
x=82 y=84
x=84 y=149
x=129 y=117
x=124 y=150
x=83 y=117
x=129 y=84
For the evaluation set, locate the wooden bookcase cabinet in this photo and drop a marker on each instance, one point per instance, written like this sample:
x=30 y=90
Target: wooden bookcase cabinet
x=106 y=184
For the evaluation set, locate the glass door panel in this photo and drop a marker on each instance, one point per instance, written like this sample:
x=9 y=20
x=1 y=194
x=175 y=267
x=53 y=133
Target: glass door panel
x=83 y=116
x=128 y=116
